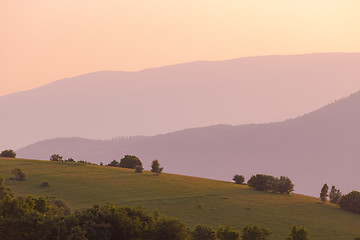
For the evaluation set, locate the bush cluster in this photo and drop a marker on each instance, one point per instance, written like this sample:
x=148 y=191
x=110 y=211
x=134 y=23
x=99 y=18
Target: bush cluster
x=8 y=153
x=128 y=161
x=267 y=183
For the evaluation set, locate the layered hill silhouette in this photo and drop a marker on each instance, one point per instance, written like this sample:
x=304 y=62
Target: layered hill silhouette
x=102 y=105
x=317 y=148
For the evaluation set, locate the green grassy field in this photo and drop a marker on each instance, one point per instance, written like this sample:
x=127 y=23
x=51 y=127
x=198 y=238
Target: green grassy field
x=192 y=200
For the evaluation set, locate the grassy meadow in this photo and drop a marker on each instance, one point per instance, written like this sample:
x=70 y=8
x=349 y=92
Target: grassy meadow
x=192 y=200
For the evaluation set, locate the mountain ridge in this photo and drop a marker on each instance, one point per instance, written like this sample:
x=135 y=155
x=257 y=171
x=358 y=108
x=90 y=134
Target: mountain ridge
x=159 y=100
x=318 y=147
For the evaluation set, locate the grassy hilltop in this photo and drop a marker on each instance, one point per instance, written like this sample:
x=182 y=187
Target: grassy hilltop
x=192 y=200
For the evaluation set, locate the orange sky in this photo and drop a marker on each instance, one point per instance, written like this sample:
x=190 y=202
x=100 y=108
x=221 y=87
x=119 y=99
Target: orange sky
x=44 y=40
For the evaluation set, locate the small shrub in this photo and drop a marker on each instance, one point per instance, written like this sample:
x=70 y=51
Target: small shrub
x=239 y=179
x=113 y=163
x=298 y=234
x=19 y=175
x=70 y=160
x=56 y=158
x=155 y=167
x=139 y=169
x=44 y=184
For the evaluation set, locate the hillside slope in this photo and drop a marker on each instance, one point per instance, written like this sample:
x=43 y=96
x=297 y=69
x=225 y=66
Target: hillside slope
x=193 y=200
x=317 y=148
x=103 y=105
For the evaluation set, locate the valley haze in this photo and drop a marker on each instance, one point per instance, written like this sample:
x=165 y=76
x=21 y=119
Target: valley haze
x=312 y=149
x=246 y=90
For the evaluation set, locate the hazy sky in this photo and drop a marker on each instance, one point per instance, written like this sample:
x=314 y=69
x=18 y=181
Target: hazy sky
x=44 y=40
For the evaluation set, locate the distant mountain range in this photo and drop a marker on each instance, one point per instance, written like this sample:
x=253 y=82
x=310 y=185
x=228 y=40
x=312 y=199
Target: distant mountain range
x=240 y=91
x=320 y=147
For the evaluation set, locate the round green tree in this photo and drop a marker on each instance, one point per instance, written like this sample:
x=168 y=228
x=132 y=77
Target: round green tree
x=239 y=179
x=8 y=153
x=129 y=161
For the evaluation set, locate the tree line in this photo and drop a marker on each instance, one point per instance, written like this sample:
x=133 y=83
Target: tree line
x=43 y=218
x=267 y=183
x=349 y=202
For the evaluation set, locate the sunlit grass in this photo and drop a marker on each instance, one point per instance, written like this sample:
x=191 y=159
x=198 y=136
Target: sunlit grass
x=193 y=200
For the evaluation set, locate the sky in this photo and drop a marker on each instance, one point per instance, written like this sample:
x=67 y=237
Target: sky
x=42 y=41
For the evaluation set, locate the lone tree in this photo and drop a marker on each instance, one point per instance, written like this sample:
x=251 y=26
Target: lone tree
x=8 y=153
x=239 y=179
x=19 y=175
x=155 y=167
x=334 y=195
x=129 y=161
x=56 y=158
x=298 y=234
x=284 y=185
x=324 y=193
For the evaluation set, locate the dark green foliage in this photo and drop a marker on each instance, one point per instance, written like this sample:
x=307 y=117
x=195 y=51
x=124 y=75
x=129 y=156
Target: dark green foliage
x=169 y=229
x=267 y=183
x=284 y=185
x=85 y=162
x=56 y=158
x=114 y=163
x=139 y=168
x=70 y=160
x=335 y=195
x=32 y=218
x=351 y=202
x=113 y=222
x=8 y=153
x=18 y=174
x=262 y=182
x=4 y=191
x=155 y=167
x=298 y=234
x=202 y=232
x=239 y=179
x=255 y=233
x=129 y=161
x=357 y=238
x=324 y=193
x=227 y=233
